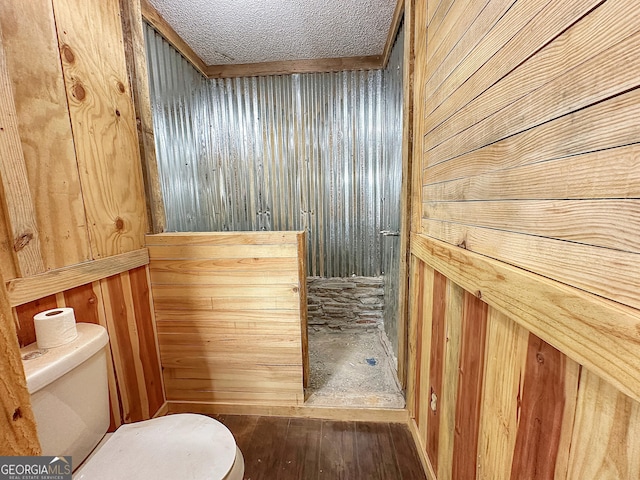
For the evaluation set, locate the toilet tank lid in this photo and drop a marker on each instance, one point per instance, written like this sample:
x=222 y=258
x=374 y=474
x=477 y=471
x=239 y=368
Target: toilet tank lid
x=43 y=366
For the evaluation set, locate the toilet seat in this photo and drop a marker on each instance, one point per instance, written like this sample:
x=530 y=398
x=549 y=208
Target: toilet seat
x=185 y=446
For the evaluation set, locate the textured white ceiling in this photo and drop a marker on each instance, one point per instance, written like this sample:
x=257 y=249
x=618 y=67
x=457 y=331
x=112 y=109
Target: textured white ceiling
x=251 y=31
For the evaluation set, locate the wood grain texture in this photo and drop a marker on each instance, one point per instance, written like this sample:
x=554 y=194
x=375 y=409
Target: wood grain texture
x=561 y=178
x=424 y=392
x=447 y=401
x=579 y=265
x=18 y=204
x=601 y=126
x=302 y=302
x=41 y=106
x=470 y=383
x=406 y=193
x=505 y=365
x=605 y=75
x=229 y=315
x=548 y=393
x=396 y=21
x=464 y=108
x=103 y=122
x=600 y=223
x=414 y=331
x=18 y=435
x=133 y=34
x=23 y=290
x=592 y=331
x=436 y=365
x=340 y=460
x=606 y=436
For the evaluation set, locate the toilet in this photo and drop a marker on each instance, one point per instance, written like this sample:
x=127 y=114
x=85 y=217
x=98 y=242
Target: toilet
x=70 y=399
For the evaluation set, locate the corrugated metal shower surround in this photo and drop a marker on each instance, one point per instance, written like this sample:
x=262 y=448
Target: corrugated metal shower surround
x=320 y=152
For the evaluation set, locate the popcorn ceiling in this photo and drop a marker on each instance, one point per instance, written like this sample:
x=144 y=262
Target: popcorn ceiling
x=251 y=31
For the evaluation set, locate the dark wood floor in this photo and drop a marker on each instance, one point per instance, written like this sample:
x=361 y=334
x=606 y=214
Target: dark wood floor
x=278 y=448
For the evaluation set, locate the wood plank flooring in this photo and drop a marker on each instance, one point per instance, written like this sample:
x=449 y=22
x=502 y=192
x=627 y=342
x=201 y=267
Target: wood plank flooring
x=280 y=448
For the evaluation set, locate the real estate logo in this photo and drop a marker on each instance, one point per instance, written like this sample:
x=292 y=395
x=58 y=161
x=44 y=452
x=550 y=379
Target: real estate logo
x=35 y=468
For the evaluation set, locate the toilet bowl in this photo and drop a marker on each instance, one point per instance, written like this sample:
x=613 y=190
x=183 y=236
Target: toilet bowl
x=69 y=396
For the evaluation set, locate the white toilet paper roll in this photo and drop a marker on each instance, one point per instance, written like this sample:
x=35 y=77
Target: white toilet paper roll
x=55 y=327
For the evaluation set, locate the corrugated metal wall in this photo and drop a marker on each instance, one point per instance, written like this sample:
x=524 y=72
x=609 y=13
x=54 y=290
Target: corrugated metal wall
x=320 y=152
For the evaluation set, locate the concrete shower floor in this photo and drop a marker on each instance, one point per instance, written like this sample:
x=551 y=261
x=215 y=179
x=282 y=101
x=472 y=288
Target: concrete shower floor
x=351 y=369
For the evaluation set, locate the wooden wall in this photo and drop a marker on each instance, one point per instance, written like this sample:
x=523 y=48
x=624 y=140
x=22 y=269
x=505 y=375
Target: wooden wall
x=74 y=211
x=231 y=316
x=523 y=352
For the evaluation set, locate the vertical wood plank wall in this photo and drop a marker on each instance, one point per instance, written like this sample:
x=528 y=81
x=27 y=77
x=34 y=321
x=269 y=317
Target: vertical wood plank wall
x=230 y=317
x=524 y=305
x=72 y=191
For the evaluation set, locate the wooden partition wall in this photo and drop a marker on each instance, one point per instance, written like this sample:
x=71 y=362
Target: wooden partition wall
x=231 y=316
x=524 y=359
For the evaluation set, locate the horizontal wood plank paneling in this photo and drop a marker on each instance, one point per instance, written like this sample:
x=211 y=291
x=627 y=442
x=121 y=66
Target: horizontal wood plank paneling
x=229 y=316
x=23 y=290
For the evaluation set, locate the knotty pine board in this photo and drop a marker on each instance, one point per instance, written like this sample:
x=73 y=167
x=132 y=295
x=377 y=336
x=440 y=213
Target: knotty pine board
x=41 y=106
x=229 y=316
x=103 y=122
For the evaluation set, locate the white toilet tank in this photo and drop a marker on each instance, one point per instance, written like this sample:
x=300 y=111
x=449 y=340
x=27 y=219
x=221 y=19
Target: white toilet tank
x=69 y=392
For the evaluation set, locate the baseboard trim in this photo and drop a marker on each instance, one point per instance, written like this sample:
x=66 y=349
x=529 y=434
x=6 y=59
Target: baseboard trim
x=325 y=413
x=417 y=439
x=162 y=411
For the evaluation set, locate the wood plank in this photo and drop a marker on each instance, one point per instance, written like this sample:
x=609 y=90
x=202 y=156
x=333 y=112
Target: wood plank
x=439 y=15
x=505 y=365
x=494 y=25
x=242 y=428
x=595 y=332
x=406 y=455
x=41 y=106
x=23 y=290
x=290 y=67
x=18 y=432
x=424 y=393
x=133 y=35
x=234 y=272
x=301 y=453
x=452 y=30
x=605 y=75
x=581 y=266
x=396 y=21
x=104 y=124
x=153 y=18
x=447 y=401
x=191 y=252
x=221 y=238
x=339 y=451
x=260 y=266
x=302 y=305
x=616 y=171
x=203 y=303
x=436 y=365
x=202 y=320
x=233 y=383
x=406 y=193
x=376 y=455
x=470 y=383
x=548 y=393
x=393 y=415
x=117 y=317
x=257 y=398
x=606 y=436
x=600 y=222
x=601 y=126
x=505 y=77
x=267 y=447
x=149 y=358
x=414 y=352
x=18 y=204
